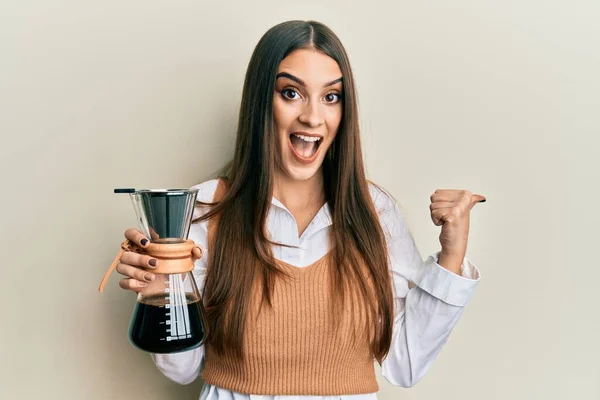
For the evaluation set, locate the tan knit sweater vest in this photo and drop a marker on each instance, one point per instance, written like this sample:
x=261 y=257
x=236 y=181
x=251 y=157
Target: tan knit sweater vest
x=293 y=348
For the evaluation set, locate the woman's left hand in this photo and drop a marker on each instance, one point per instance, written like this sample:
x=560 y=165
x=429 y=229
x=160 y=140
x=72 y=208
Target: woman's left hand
x=451 y=209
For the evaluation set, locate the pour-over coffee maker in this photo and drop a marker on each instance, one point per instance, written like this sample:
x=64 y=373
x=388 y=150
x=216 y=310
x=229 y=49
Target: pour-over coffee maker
x=169 y=316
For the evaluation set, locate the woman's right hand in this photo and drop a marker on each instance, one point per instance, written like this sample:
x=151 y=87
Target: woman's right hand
x=137 y=268
x=134 y=266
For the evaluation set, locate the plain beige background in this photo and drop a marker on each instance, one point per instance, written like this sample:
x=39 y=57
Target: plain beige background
x=498 y=97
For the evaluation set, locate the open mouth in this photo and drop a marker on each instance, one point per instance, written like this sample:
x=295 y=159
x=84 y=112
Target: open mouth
x=305 y=146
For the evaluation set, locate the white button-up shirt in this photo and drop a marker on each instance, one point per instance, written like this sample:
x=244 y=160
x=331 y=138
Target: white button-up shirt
x=424 y=316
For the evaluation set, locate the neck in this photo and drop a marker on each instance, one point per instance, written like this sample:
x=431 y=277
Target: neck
x=296 y=195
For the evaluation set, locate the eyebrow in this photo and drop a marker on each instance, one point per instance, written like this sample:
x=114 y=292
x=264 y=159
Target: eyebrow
x=301 y=82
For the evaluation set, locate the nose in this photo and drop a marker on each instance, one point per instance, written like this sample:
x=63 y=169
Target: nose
x=312 y=114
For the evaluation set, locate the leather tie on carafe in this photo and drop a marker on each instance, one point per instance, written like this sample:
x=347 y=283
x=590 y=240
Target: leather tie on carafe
x=173 y=258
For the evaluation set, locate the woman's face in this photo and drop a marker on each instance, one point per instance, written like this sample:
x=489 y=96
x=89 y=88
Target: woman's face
x=307 y=109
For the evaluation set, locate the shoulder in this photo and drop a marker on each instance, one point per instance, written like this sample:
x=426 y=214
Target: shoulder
x=206 y=190
x=206 y=193
x=391 y=215
x=383 y=201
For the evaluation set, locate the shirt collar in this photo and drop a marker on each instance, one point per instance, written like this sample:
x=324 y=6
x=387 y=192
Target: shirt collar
x=322 y=220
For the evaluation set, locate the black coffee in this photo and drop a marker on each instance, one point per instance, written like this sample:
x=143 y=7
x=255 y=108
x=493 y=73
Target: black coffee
x=160 y=327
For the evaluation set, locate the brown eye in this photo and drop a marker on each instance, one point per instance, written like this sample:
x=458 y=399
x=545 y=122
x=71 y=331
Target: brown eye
x=332 y=98
x=289 y=94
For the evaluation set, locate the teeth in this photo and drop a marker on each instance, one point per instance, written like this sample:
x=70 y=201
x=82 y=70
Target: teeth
x=307 y=138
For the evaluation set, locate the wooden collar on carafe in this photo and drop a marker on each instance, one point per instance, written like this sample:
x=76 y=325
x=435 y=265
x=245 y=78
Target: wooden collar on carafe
x=173 y=258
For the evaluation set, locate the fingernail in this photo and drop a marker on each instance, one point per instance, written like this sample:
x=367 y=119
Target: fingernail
x=142 y=284
x=483 y=201
x=149 y=277
x=144 y=241
x=152 y=262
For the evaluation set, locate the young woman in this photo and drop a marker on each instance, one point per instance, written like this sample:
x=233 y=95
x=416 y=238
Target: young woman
x=309 y=273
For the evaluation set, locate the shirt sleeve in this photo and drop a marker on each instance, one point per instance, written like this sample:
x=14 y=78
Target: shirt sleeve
x=428 y=299
x=185 y=367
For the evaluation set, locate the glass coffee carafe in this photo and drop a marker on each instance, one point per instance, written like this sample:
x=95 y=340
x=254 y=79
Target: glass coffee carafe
x=169 y=316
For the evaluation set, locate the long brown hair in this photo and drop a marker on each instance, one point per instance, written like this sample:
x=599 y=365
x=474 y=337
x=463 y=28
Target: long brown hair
x=241 y=252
